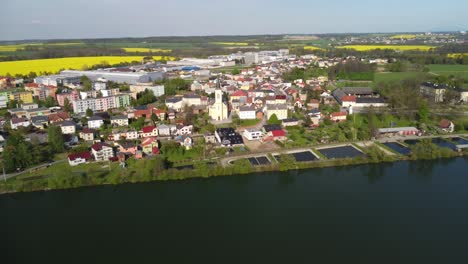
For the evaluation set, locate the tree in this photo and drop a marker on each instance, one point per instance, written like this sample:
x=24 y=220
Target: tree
x=50 y=101
x=236 y=71
x=145 y=97
x=89 y=112
x=154 y=118
x=423 y=113
x=55 y=138
x=86 y=82
x=274 y=120
x=66 y=106
x=12 y=104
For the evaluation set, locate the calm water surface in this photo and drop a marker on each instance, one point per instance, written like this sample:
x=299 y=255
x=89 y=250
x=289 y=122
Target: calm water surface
x=406 y=212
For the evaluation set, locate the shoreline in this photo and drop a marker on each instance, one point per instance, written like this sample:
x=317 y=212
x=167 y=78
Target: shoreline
x=229 y=171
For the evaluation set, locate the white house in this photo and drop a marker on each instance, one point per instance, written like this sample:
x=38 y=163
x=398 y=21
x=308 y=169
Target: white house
x=130 y=135
x=164 y=130
x=119 y=120
x=247 y=112
x=149 y=131
x=95 y=122
x=68 y=127
x=174 y=103
x=19 y=122
x=184 y=130
x=102 y=151
x=253 y=134
x=79 y=158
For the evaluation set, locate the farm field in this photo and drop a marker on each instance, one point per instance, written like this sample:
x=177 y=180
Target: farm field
x=392 y=47
x=231 y=43
x=11 y=48
x=146 y=50
x=456 y=55
x=456 y=70
x=312 y=48
x=404 y=36
x=54 y=65
x=397 y=76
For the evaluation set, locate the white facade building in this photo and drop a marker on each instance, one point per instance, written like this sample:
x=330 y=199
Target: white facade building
x=219 y=110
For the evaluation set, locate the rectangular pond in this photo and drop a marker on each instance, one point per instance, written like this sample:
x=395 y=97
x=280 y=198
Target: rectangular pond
x=444 y=143
x=304 y=156
x=256 y=161
x=341 y=152
x=397 y=147
x=412 y=141
x=459 y=141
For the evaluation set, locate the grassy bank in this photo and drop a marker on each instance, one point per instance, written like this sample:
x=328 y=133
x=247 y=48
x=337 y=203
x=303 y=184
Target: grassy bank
x=63 y=176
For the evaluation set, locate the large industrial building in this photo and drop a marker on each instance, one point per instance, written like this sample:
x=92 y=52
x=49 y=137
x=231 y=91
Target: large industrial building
x=119 y=76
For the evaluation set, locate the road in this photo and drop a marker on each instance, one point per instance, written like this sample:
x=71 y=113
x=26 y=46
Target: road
x=12 y=175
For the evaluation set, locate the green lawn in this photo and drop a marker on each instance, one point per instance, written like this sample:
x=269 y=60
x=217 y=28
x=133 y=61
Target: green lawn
x=396 y=76
x=456 y=70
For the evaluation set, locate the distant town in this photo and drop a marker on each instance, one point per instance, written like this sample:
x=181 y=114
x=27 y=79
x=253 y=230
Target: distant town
x=249 y=108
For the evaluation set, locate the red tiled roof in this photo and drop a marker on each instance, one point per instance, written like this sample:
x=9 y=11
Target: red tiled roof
x=314 y=101
x=280 y=97
x=148 y=129
x=444 y=123
x=347 y=98
x=148 y=140
x=338 y=114
x=88 y=130
x=278 y=133
x=239 y=93
x=83 y=155
x=99 y=146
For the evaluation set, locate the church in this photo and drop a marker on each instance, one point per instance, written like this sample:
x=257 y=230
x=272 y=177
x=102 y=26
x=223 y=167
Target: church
x=219 y=110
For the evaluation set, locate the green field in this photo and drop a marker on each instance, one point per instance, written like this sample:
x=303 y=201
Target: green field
x=455 y=70
x=396 y=76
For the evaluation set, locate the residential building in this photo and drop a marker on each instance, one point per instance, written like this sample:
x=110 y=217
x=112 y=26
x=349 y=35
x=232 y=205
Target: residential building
x=253 y=134
x=15 y=123
x=434 y=92
x=174 y=103
x=164 y=130
x=101 y=104
x=24 y=97
x=70 y=96
x=247 y=112
x=95 y=122
x=87 y=134
x=79 y=158
x=275 y=135
x=128 y=147
x=281 y=111
x=338 y=116
x=149 y=131
x=68 y=127
x=120 y=120
x=158 y=90
x=290 y=122
x=446 y=126
x=150 y=146
x=102 y=151
x=40 y=121
x=184 y=130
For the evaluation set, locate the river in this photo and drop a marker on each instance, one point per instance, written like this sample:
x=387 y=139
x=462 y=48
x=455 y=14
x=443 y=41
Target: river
x=404 y=212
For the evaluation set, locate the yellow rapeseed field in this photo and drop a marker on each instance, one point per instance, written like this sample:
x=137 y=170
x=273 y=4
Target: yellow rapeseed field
x=457 y=55
x=404 y=36
x=54 y=65
x=312 y=48
x=146 y=50
x=393 y=47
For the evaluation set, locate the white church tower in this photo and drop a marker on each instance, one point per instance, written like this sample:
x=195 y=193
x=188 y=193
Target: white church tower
x=218 y=111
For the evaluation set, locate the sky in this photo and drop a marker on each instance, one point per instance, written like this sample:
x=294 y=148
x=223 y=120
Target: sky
x=75 y=19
